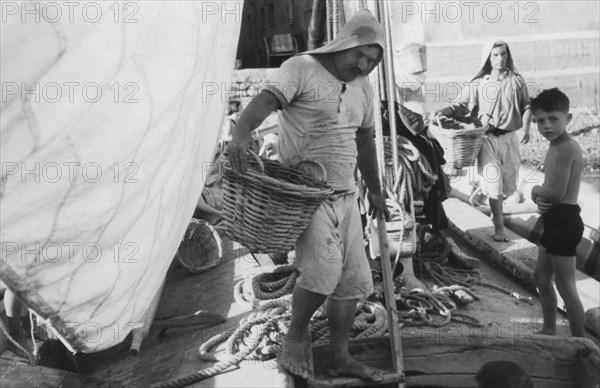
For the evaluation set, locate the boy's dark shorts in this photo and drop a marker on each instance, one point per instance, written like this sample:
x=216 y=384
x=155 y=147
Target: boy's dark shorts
x=563 y=229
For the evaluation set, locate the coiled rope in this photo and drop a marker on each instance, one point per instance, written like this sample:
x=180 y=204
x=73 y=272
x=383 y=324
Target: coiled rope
x=418 y=307
x=259 y=337
x=255 y=290
x=430 y=264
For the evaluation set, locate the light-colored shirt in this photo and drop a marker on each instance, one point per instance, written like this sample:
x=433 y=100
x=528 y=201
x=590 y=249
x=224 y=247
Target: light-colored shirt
x=502 y=102
x=320 y=116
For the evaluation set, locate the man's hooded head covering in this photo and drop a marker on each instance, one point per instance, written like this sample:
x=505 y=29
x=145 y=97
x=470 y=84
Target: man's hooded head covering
x=362 y=29
x=485 y=67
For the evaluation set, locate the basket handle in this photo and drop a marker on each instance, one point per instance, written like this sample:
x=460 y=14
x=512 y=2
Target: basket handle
x=318 y=164
x=436 y=121
x=258 y=160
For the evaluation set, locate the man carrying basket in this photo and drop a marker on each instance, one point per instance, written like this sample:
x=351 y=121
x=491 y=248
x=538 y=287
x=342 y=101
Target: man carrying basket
x=498 y=96
x=325 y=108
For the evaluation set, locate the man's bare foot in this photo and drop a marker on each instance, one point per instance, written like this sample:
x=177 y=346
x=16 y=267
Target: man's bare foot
x=296 y=357
x=411 y=282
x=347 y=366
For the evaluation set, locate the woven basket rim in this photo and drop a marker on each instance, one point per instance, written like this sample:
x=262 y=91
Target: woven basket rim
x=244 y=220
x=458 y=132
x=210 y=264
x=274 y=184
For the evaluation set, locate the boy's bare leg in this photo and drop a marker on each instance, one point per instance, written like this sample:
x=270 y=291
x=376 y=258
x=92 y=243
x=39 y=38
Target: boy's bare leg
x=543 y=281
x=564 y=271
x=497 y=219
x=341 y=317
x=296 y=356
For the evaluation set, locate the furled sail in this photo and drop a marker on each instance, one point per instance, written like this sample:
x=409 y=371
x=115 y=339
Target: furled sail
x=110 y=114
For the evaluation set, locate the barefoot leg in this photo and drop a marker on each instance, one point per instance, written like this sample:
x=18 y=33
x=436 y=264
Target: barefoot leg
x=564 y=270
x=296 y=356
x=497 y=219
x=341 y=317
x=543 y=281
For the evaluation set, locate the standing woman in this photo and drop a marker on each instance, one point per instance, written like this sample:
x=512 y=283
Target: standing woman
x=497 y=95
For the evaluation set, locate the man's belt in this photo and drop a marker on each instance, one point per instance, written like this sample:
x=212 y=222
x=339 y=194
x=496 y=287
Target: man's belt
x=497 y=131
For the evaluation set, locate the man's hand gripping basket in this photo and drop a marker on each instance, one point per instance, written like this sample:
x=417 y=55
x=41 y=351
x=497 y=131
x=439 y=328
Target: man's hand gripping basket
x=460 y=140
x=268 y=206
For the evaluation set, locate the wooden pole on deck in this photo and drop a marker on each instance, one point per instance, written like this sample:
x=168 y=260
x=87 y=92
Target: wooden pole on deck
x=390 y=80
x=388 y=281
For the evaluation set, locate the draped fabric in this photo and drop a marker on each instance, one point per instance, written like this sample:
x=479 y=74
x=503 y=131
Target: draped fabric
x=110 y=115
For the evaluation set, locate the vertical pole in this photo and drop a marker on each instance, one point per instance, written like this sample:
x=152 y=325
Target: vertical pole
x=390 y=81
x=328 y=21
x=386 y=268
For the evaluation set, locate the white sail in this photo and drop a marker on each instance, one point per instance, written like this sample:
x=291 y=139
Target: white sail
x=110 y=114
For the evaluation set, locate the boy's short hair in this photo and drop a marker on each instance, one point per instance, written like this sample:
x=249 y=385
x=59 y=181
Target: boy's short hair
x=551 y=100
x=503 y=374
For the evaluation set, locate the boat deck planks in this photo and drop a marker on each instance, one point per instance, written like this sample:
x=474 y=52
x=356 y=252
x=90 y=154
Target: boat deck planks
x=454 y=362
x=176 y=354
x=518 y=256
x=18 y=374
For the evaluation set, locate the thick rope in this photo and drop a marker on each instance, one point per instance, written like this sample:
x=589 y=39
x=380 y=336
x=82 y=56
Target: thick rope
x=453 y=277
x=258 y=340
x=254 y=291
x=233 y=361
x=418 y=307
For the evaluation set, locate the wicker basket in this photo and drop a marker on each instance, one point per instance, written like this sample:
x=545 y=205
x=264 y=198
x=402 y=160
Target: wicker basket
x=461 y=146
x=201 y=248
x=267 y=207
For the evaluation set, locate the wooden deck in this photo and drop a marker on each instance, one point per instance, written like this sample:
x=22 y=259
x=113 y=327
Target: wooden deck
x=518 y=256
x=176 y=354
x=17 y=374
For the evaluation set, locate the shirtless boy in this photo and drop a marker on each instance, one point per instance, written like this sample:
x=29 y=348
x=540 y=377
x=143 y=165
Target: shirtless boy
x=557 y=202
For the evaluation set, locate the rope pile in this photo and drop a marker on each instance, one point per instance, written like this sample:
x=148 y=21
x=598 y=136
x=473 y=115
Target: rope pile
x=273 y=282
x=430 y=263
x=413 y=164
x=259 y=338
x=425 y=308
x=423 y=305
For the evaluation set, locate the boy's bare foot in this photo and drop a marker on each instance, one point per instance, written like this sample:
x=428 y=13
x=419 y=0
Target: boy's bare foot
x=296 y=357
x=347 y=366
x=499 y=235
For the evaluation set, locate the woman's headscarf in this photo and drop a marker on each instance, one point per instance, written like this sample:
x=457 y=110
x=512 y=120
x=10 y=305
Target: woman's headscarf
x=362 y=29
x=485 y=67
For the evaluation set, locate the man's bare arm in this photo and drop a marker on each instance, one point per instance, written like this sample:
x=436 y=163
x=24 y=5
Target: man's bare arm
x=255 y=113
x=367 y=164
x=367 y=158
